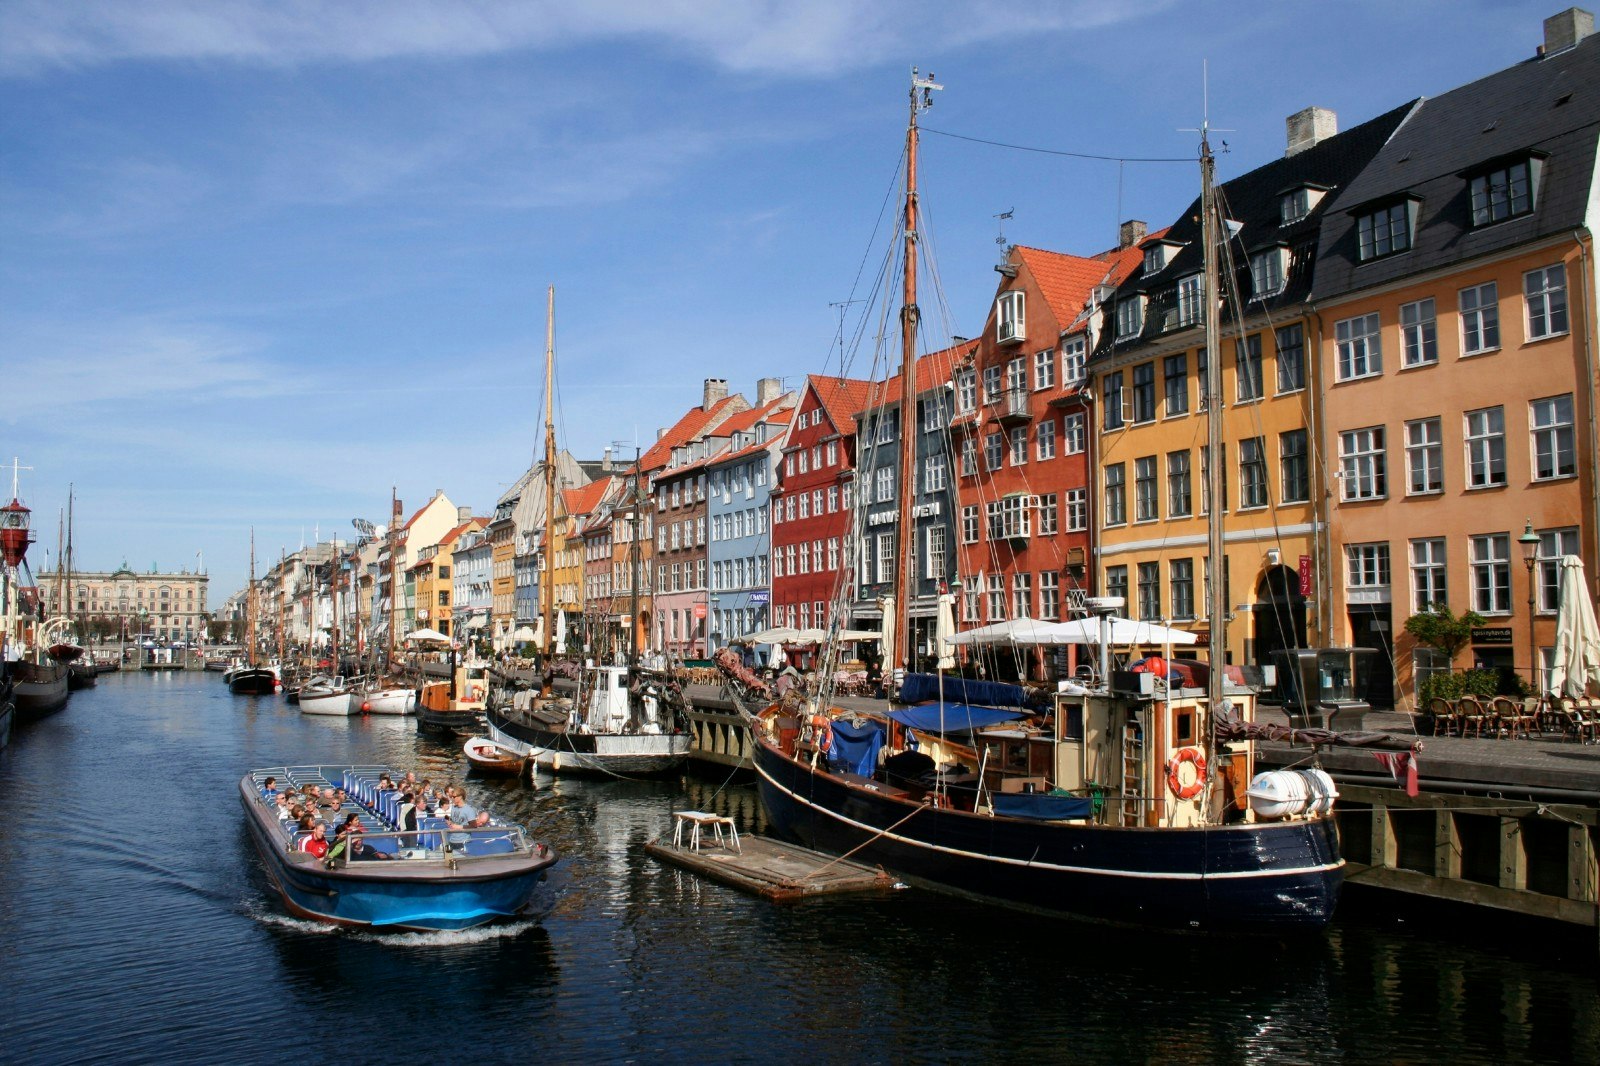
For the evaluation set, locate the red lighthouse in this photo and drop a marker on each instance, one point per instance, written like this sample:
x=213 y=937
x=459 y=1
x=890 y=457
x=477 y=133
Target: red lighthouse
x=15 y=536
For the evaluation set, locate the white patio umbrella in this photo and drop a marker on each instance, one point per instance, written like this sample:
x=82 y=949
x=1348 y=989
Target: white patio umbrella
x=525 y=633
x=475 y=622
x=1577 y=652
x=886 y=645
x=559 y=640
x=944 y=627
x=773 y=635
x=538 y=631
x=427 y=636
x=1121 y=631
x=1027 y=631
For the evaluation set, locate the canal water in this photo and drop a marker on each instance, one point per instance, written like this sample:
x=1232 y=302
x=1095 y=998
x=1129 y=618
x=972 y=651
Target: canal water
x=136 y=925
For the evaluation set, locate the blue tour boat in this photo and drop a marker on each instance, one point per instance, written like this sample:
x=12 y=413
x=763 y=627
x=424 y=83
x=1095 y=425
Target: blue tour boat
x=433 y=878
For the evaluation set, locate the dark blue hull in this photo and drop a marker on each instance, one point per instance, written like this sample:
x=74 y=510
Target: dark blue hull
x=1268 y=878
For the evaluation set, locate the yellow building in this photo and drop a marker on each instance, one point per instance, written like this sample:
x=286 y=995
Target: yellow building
x=1147 y=374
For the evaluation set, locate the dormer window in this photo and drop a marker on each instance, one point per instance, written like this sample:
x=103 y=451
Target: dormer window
x=1385 y=230
x=1158 y=256
x=1503 y=192
x=1189 y=302
x=1268 y=269
x=1009 y=323
x=1297 y=203
x=1130 y=317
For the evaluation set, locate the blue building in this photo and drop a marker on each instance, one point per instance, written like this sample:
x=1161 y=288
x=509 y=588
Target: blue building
x=739 y=487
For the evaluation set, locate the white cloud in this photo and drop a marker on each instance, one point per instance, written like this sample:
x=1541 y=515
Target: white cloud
x=781 y=36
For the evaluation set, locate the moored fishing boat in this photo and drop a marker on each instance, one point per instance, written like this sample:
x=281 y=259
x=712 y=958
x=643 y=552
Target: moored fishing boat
x=392 y=876
x=327 y=695
x=454 y=707
x=247 y=677
x=632 y=724
x=389 y=698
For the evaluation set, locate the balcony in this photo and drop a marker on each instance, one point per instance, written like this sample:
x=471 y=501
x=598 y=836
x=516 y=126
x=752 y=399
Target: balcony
x=1010 y=406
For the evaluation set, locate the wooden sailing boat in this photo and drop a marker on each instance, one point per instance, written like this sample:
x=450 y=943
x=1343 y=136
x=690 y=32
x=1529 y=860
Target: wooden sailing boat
x=1104 y=810
x=631 y=722
x=253 y=679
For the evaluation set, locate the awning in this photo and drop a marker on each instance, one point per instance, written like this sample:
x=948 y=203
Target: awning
x=952 y=717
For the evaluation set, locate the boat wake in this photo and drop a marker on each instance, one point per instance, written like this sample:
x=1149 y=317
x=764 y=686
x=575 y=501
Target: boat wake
x=454 y=938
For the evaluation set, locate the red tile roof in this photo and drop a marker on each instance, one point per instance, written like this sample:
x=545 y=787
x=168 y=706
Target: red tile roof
x=1067 y=280
x=933 y=370
x=842 y=398
x=450 y=537
x=685 y=430
x=585 y=498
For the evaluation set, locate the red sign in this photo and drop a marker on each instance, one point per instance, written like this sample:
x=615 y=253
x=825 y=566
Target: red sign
x=1305 y=575
x=699 y=610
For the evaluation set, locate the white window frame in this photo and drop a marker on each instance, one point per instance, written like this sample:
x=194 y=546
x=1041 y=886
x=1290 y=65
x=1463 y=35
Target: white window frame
x=1074 y=433
x=1269 y=272
x=1484 y=438
x=1363 y=464
x=1077 y=510
x=1490 y=561
x=1552 y=438
x=1074 y=360
x=1190 y=301
x=1010 y=317
x=1419 y=333
x=1367 y=565
x=1130 y=317
x=1044 y=369
x=1358 y=342
x=1430 y=575
x=1544 y=298
x=1480 y=319
x=1425 y=456
x=1045 y=439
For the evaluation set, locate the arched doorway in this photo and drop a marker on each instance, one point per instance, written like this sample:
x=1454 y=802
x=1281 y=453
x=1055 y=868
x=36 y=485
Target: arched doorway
x=1280 y=614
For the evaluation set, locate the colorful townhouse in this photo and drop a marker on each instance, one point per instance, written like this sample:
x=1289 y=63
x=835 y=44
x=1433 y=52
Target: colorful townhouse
x=880 y=548
x=811 y=502
x=1022 y=435
x=1455 y=290
x=434 y=578
x=471 y=569
x=565 y=542
x=1148 y=371
x=738 y=505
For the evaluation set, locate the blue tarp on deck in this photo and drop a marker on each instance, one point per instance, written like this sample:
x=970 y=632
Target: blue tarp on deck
x=1041 y=805
x=855 y=747
x=919 y=688
x=952 y=717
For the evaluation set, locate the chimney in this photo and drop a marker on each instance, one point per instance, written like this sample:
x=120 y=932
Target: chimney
x=605 y=459
x=463 y=515
x=767 y=390
x=661 y=432
x=1565 y=30
x=1131 y=233
x=716 y=389
x=1309 y=128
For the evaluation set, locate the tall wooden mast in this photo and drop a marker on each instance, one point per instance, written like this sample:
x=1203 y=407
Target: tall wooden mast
x=250 y=605
x=1217 y=589
x=904 y=584
x=546 y=587
x=394 y=522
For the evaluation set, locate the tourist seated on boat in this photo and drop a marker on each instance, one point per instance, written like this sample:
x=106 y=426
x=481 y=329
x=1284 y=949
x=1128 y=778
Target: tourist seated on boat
x=385 y=783
x=350 y=826
x=406 y=819
x=479 y=820
x=428 y=797
x=282 y=806
x=317 y=843
x=269 y=788
x=360 y=851
x=461 y=810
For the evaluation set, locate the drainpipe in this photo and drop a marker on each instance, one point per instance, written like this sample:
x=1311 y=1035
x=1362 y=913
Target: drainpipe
x=1589 y=388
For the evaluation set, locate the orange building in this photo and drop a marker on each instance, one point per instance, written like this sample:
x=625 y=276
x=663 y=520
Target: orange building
x=1458 y=348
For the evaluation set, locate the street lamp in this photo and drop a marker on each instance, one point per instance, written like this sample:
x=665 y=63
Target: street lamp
x=1530 y=555
x=716 y=620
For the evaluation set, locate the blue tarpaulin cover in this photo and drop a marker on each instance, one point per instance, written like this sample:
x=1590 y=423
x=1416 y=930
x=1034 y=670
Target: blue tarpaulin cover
x=954 y=718
x=1041 y=805
x=916 y=688
x=855 y=747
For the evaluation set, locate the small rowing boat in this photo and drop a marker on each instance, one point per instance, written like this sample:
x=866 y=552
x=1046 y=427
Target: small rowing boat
x=402 y=872
x=486 y=757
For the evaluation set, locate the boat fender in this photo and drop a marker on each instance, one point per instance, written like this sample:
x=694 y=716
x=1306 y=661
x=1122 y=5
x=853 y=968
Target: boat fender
x=822 y=730
x=1175 y=783
x=365 y=707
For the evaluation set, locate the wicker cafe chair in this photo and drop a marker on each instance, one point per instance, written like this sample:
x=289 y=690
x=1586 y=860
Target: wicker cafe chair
x=1446 y=719
x=1473 y=715
x=1507 y=718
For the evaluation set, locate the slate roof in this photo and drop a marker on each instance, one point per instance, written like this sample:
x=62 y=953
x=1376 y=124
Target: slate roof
x=1549 y=105
x=1254 y=200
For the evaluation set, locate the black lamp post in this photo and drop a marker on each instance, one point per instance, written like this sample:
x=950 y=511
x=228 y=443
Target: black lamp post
x=1529 y=542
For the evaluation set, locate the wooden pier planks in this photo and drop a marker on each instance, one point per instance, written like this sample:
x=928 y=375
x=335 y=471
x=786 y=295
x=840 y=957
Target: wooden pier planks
x=774 y=870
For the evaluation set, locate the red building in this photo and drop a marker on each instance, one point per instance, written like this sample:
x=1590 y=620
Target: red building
x=1023 y=432
x=811 y=501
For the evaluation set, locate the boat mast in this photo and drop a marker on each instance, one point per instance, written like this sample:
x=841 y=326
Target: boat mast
x=71 y=614
x=633 y=564
x=1217 y=592
x=250 y=605
x=546 y=579
x=61 y=564
x=394 y=516
x=281 y=622
x=903 y=585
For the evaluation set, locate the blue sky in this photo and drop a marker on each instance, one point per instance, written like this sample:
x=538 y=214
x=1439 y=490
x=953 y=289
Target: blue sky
x=259 y=261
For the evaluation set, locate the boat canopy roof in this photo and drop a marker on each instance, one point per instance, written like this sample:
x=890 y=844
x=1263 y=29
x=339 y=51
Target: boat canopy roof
x=952 y=717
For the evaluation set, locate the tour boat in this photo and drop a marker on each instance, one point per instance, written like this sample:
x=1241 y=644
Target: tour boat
x=430 y=879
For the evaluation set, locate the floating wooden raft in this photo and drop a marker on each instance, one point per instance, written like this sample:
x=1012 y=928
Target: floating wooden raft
x=778 y=871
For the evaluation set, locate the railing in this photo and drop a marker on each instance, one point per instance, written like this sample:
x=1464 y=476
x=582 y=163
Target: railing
x=429 y=844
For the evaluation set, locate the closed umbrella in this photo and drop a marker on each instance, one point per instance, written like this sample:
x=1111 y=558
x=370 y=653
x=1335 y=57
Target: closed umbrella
x=560 y=639
x=944 y=627
x=888 y=650
x=1577 y=651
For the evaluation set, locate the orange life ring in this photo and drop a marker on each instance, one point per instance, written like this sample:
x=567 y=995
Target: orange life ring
x=1191 y=790
x=822 y=729
x=477 y=692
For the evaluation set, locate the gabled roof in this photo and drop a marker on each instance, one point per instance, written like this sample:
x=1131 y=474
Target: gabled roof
x=841 y=398
x=585 y=498
x=1066 y=281
x=1548 y=105
x=933 y=370
x=450 y=537
x=777 y=418
x=686 y=429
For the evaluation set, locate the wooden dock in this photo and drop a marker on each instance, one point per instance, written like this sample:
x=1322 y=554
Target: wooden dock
x=773 y=869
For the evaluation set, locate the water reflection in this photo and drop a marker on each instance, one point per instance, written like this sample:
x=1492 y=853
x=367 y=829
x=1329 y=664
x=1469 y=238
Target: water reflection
x=132 y=895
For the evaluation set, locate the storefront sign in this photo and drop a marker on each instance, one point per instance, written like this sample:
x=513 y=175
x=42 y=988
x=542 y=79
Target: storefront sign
x=699 y=610
x=926 y=510
x=882 y=518
x=1492 y=635
x=1305 y=575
